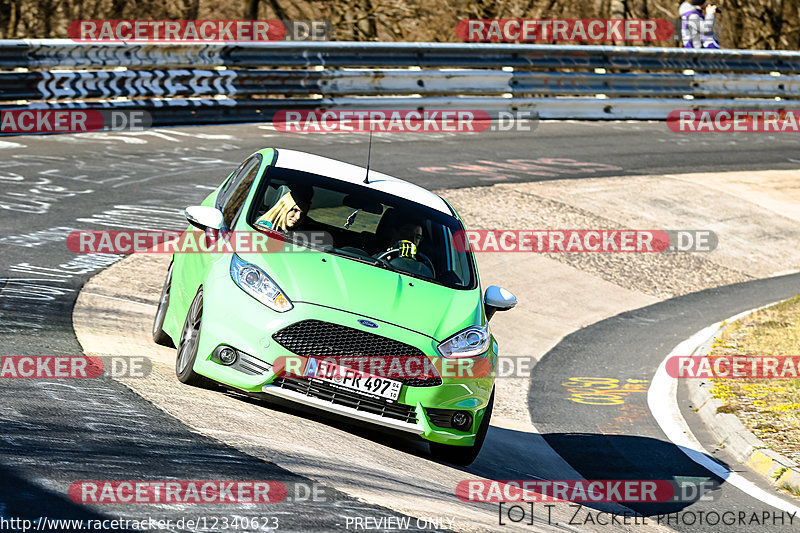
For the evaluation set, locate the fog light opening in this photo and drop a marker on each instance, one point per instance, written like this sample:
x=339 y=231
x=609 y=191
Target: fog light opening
x=227 y=356
x=461 y=420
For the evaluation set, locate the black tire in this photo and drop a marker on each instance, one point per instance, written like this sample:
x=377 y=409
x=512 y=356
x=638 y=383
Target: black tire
x=159 y=336
x=464 y=455
x=187 y=347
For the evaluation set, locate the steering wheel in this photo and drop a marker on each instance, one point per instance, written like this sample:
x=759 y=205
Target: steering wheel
x=419 y=257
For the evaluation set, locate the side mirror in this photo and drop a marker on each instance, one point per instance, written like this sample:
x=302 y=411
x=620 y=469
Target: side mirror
x=204 y=217
x=497 y=299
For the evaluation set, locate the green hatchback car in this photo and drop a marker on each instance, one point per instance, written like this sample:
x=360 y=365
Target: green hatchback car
x=366 y=301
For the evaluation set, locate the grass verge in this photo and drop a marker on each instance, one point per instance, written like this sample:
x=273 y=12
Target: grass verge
x=768 y=408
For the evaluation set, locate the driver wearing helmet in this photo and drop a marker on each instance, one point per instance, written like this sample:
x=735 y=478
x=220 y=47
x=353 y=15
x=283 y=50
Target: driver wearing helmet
x=401 y=249
x=405 y=239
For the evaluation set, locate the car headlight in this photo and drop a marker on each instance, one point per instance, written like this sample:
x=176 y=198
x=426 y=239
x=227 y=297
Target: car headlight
x=468 y=343
x=259 y=285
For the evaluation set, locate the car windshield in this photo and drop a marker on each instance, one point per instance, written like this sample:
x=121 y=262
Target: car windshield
x=364 y=225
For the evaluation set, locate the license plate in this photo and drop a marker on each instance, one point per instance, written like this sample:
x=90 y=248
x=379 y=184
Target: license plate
x=350 y=378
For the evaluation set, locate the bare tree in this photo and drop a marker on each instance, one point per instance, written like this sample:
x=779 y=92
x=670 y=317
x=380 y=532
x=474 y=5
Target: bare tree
x=7 y=8
x=191 y=8
x=117 y=9
x=366 y=21
x=250 y=10
x=278 y=9
x=765 y=24
x=619 y=8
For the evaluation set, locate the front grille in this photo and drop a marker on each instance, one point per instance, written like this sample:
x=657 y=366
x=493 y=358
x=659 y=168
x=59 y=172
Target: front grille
x=318 y=339
x=330 y=393
x=315 y=338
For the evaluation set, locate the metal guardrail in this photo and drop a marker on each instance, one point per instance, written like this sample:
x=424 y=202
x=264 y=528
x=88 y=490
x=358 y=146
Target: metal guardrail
x=65 y=53
x=79 y=84
x=225 y=82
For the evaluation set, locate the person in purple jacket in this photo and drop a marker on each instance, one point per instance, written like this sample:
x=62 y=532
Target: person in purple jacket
x=697 y=24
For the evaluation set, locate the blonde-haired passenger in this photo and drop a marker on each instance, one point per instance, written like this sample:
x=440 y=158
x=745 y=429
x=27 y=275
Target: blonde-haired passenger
x=286 y=214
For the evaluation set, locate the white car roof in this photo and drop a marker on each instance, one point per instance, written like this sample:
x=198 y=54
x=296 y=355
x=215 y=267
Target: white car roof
x=331 y=168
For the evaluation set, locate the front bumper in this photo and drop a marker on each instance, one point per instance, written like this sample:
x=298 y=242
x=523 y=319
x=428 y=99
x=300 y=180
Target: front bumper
x=352 y=412
x=231 y=317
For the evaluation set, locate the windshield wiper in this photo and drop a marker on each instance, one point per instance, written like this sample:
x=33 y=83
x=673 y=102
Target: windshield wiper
x=369 y=260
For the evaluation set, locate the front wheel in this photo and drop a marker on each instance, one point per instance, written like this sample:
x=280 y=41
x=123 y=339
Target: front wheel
x=464 y=455
x=189 y=344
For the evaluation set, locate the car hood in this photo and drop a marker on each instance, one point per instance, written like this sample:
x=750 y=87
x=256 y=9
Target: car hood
x=372 y=292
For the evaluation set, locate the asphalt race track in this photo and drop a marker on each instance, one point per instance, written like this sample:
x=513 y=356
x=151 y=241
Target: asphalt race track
x=627 y=442
x=53 y=433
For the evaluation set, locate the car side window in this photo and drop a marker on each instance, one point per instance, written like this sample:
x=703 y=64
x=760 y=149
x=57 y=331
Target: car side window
x=237 y=191
x=234 y=179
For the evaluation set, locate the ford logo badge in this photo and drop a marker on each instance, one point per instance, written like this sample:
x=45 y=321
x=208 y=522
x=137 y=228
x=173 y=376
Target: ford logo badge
x=368 y=323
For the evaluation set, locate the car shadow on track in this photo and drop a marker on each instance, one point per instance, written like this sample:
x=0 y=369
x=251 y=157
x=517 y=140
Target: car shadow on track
x=21 y=501
x=516 y=455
